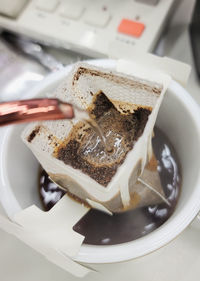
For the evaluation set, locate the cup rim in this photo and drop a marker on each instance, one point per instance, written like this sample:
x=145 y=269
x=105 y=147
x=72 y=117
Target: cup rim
x=159 y=237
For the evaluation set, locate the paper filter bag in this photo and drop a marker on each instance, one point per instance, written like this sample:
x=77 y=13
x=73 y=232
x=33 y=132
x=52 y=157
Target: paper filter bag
x=127 y=188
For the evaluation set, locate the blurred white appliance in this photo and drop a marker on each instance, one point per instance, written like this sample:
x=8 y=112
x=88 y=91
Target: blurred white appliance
x=89 y=27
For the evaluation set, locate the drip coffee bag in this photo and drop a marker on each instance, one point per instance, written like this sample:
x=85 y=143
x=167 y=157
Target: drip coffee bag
x=118 y=172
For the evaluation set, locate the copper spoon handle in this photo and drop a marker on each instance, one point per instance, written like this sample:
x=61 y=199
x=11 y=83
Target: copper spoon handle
x=34 y=110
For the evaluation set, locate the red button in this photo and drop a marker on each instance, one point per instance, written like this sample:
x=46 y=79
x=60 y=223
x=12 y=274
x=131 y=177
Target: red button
x=130 y=27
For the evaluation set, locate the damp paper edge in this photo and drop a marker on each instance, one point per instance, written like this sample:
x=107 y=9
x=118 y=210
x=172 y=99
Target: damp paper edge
x=179 y=71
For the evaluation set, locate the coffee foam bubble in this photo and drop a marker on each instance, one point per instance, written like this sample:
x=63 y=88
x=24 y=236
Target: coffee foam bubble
x=120 y=130
x=117 y=137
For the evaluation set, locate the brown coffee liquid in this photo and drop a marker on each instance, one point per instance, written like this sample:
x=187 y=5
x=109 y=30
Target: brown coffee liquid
x=102 y=229
x=84 y=149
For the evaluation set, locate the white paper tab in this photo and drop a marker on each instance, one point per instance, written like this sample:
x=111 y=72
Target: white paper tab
x=52 y=255
x=55 y=227
x=179 y=71
x=50 y=233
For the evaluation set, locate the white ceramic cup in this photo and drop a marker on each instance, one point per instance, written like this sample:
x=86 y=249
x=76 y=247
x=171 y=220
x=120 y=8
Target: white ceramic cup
x=179 y=118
